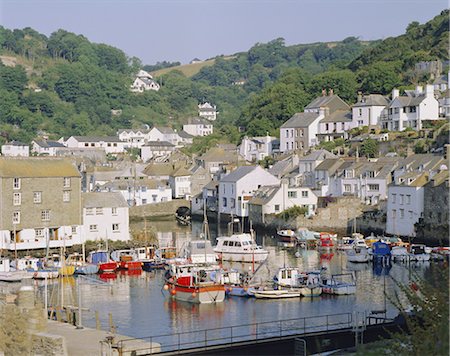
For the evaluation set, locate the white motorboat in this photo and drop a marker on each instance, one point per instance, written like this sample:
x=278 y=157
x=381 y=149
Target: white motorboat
x=400 y=253
x=276 y=293
x=307 y=283
x=25 y=264
x=7 y=275
x=419 y=253
x=339 y=284
x=359 y=252
x=239 y=248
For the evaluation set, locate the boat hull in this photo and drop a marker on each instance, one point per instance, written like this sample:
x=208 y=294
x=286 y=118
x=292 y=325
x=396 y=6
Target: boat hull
x=236 y=291
x=277 y=294
x=198 y=295
x=66 y=270
x=311 y=291
x=339 y=290
x=43 y=274
x=11 y=277
x=130 y=265
x=250 y=257
x=107 y=267
x=87 y=269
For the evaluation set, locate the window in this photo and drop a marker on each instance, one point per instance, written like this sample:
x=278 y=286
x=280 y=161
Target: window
x=374 y=187
x=115 y=228
x=39 y=232
x=360 y=112
x=401 y=199
x=402 y=213
x=394 y=213
x=408 y=199
x=66 y=183
x=45 y=215
x=304 y=194
x=410 y=214
x=287 y=133
x=225 y=243
x=74 y=230
x=144 y=201
x=224 y=201
x=326 y=127
x=114 y=211
x=292 y=194
x=412 y=109
x=16 y=183
x=37 y=197
x=89 y=211
x=277 y=207
x=232 y=203
x=347 y=188
x=92 y=228
x=17 y=199
x=394 y=198
x=98 y=211
x=16 y=217
x=66 y=196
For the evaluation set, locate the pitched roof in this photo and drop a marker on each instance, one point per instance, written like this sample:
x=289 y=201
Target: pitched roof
x=302 y=119
x=264 y=194
x=318 y=154
x=181 y=172
x=238 y=173
x=48 y=143
x=164 y=129
x=103 y=200
x=37 y=167
x=198 y=121
x=333 y=102
x=97 y=138
x=338 y=116
x=329 y=164
x=159 y=144
x=216 y=154
x=184 y=134
x=372 y=100
x=159 y=169
x=15 y=143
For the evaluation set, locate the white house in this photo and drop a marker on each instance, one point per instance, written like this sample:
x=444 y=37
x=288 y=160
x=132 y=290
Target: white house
x=237 y=188
x=277 y=198
x=198 y=126
x=156 y=149
x=301 y=130
x=144 y=81
x=411 y=109
x=105 y=216
x=160 y=133
x=111 y=144
x=308 y=164
x=135 y=138
x=254 y=149
x=405 y=204
x=46 y=147
x=368 y=110
x=16 y=149
x=207 y=111
x=180 y=182
x=334 y=125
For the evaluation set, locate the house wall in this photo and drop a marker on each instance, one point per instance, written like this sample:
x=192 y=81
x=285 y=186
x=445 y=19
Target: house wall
x=15 y=151
x=412 y=207
x=366 y=116
x=181 y=186
x=98 y=224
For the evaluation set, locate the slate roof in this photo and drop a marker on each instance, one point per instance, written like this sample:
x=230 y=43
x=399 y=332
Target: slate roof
x=103 y=200
x=216 y=154
x=159 y=169
x=425 y=161
x=238 y=173
x=408 y=100
x=329 y=164
x=48 y=144
x=264 y=194
x=333 y=102
x=318 y=154
x=15 y=143
x=184 y=134
x=372 y=100
x=159 y=144
x=165 y=129
x=338 y=116
x=181 y=172
x=37 y=167
x=303 y=119
x=97 y=138
x=144 y=131
x=198 y=121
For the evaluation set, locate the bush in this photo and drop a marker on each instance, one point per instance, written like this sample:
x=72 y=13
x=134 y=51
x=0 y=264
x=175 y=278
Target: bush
x=293 y=212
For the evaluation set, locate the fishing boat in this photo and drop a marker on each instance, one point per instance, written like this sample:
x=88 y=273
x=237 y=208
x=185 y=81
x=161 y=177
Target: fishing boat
x=339 y=284
x=326 y=242
x=81 y=266
x=236 y=284
x=305 y=238
x=286 y=235
x=307 y=283
x=359 y=253
x=101 y=258
x=149 y=258
x=126 y=259
x=59 y=262
x=199 y=252
x=419 y=253
x=400 y=254
x=193 y=283
x=6 y=275
x=239 y=247
x=46 y=273
x=380 y=252
x=27 y=263
x=440 y=253
x=346 y=243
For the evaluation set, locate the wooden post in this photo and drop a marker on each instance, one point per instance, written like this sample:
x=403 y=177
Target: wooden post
x=112 y=328
x=97 y=321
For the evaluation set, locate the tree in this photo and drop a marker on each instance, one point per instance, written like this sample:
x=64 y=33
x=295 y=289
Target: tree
x=13 y=79
x=369 y=148
x=343 y=83
x=380 y=77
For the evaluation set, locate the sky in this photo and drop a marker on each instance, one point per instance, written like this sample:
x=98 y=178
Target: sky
x=180 y=30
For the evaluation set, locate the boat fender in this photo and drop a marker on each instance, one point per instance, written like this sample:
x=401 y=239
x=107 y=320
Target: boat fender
x=194 y=294
x=166 y=287
x=230 y=289
x=173 y=292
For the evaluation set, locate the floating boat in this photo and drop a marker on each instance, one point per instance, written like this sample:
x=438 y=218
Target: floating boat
x=286 y=235
x=339 y=284
x=102 y=260
x=359 y=252
x=6 y=275
x=346 y=243
x=27 y=263
x=58 y=262
x=46 y=273
x=81 y=267
x=380 y=252
x=400 y=253
x=149 y=259
x=440 y=253
x=307 y=283
x=419 y=253
x=199 y=251
x=126 y=259
x=326 y=242
x=305 y=238
x=277 y=293
x=236 y=284
x=193 y=283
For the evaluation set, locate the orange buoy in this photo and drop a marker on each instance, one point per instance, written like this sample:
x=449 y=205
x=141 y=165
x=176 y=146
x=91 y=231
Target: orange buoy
x=173 y=292
x=194 y=294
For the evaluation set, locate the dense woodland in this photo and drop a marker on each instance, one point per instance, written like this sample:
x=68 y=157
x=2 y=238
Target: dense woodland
x=82 y=82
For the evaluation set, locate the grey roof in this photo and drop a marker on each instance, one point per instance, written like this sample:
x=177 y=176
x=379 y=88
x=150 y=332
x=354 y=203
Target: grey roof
x=411 y=99
x=422 y=161
x=159 y=144
x=302 y=119
x=133 y=130
x=338 y=116
x=264 y=194
x=125 y=184
x=280 y=168
x=184 y=134
x=443 y=79
x=372 y=100
x=103 y=200
x=329 y=164
x=212 y=185
x=47 y=144
x=198 y=121
x=15 y=143
x=333 y=102
x=97 y=138
x=318 y=155
x=238 y=173
x=165 y=129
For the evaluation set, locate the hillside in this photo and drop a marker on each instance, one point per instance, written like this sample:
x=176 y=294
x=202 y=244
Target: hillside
x=65 y=85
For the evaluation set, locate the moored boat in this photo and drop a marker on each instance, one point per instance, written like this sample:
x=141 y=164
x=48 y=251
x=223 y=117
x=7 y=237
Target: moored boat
x=326 y=242
x=126 y=259
x=339 y=284
x=193 y=284
x=286 y=235
x=81 y=266
x=102 y=260
x=359 y=252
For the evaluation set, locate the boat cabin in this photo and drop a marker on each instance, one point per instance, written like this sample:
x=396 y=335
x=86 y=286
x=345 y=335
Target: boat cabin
x=237 y=242
x=75 y=259
x=190 y=274
x=287 y=276
x=200 y=251
x=123 y=255
x=26 y=263
x=145 y=253
x=4 y=265
x=100 y=256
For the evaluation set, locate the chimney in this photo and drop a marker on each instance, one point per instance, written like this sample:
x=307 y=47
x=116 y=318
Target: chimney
x=330 y=92
x=429 y=90
x=324 y=92
x=395 y=93
x=419 y=89
x=359 y=97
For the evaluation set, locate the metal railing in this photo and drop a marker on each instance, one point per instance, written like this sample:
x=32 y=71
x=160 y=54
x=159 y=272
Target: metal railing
x=223 y=336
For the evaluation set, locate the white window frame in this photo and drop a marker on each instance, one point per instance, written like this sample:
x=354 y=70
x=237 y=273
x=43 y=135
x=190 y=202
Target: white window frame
x=98 y=211
x=116 y=227
x=304 y=194
x=16 y=183
x=89 y=211
x=17 y=198
x=39 y=233
x=37 y=197
x=114 y=211
x=93 y=228
x=16 y=217
x=66 y=196
x=66 y=182
x=45 y=215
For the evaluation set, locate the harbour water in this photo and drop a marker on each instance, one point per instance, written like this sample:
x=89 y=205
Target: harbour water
x=140 y=307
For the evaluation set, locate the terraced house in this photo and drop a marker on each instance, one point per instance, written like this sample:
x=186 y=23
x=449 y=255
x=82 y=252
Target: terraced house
x=40 y=203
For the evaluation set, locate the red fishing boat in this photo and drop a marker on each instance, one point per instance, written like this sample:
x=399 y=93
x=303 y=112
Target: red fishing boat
x=101 y=258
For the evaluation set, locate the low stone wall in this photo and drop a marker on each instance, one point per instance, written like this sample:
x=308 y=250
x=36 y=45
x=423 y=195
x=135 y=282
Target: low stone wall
x=157 y=210
x=48 y=344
